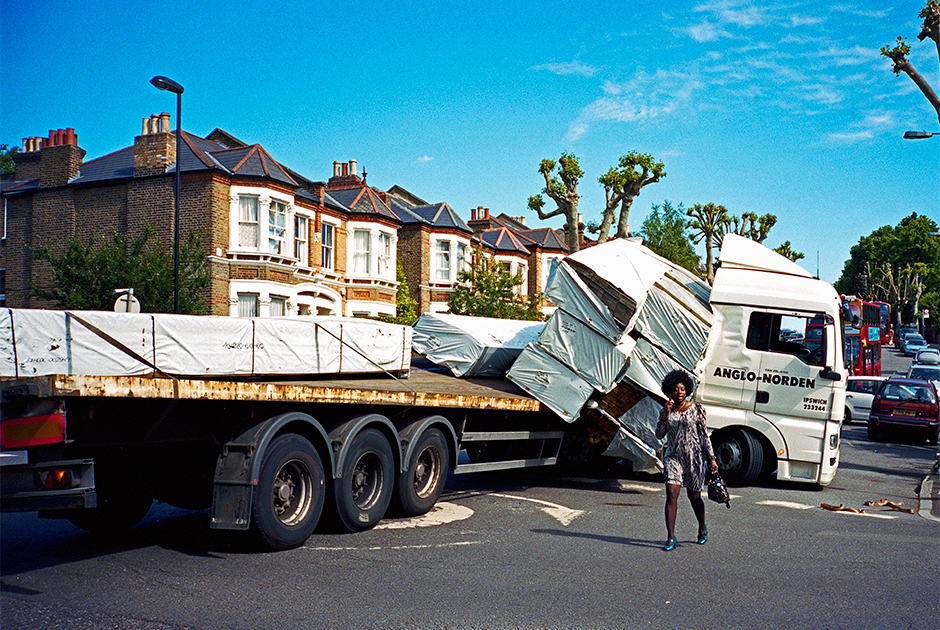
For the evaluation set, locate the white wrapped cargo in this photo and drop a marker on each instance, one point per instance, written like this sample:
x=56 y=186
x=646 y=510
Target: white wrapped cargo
x=550 y=381
x=585 y=351
x=473 y=346
x=43 y=342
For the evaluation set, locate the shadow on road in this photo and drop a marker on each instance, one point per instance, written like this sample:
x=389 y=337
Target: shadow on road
x=617 y=540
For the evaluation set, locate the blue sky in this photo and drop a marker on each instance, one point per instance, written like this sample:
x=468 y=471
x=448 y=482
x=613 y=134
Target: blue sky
x=765 y=107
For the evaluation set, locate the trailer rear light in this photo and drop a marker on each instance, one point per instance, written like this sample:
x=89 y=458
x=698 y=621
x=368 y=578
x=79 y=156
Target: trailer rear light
x=57 y=479
x=833 y=440
x=32 y=431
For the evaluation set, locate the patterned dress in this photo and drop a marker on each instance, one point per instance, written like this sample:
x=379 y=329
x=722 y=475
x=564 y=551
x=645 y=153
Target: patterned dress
x=688 y=448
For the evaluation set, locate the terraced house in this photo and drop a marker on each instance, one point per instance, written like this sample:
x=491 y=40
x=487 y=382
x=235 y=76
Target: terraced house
x=279 y=243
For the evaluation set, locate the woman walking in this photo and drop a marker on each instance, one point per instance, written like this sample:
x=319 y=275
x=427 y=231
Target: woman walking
x=688 y=452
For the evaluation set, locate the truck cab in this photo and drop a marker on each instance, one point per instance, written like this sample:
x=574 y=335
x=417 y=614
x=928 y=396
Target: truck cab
x=774 y=400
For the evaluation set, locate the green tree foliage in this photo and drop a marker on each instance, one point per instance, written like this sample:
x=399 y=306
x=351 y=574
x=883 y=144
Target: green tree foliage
x=749 y=226
x=707 y=223
x=930 y=29
x=786 y=250
x=7 y=158
x=621 y=186
x=665 y=231
x=562 y=188
x=896 y=264
x=488 y=290
x=405 y=305
x=85 y=276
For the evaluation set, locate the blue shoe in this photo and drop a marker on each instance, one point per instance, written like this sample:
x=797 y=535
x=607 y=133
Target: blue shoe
x=702 y=537
x=670 y=545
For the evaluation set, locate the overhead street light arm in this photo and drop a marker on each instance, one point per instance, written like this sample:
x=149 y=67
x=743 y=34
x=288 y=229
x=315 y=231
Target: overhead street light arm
x=917 y=135
x=167 y=85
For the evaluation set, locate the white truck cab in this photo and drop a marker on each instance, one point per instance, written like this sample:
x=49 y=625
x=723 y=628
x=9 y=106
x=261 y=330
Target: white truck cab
x=772 y=378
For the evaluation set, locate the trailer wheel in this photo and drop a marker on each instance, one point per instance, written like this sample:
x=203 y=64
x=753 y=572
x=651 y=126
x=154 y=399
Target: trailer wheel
x=289 y=497
x=115 y=513
x=740 y=456
x=364 y=490
x=419 y=487
x=848 y=417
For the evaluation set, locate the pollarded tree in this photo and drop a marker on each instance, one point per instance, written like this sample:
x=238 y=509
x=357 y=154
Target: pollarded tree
x=706 y=223
x=787 y=251
x=563 y=190
x=621 y=186
x=930 y=29
x=749 y=226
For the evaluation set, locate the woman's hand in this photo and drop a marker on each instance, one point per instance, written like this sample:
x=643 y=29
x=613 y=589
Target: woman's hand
x=713 y=464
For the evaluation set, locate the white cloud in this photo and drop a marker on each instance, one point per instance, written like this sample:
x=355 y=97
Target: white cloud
x=732 y=12
x=570 y=67
x=850 y=137
x=424 y=159
x=706 y=32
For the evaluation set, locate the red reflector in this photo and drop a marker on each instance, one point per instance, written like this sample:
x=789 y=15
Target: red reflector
x=54 y=479
x=32 y=431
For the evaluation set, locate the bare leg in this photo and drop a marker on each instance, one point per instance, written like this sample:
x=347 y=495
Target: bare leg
x=672 y=506
x=698 y=506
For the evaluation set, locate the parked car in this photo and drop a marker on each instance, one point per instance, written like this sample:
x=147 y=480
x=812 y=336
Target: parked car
x=901 y=335
x=859 y=392
x=905 y=405
x=913 y=343
x=925 y=372
x=928 y=356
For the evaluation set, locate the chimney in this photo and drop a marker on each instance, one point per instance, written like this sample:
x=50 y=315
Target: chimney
x=336 y=169
x=352 y=167
x=345 y=169
x=473 y=214
x=155 y=147
x=59 y=158
x=487 y=211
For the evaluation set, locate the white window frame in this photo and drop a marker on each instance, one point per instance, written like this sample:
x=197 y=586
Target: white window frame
x=462 y=262
x=278 y=302
x=278 y=210
x=302 y=238
x=328 y=249
x=442 y=260
x=384 y=258
x=248 y=221
x=362 y=256
x=248 y=300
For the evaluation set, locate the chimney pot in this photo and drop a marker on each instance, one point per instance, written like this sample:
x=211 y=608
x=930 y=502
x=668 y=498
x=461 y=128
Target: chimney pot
x=487 y=210
x=345 y=169
x=71 y=137
x=336 y=168
x=473 y=214
x=352 y=167
x=165 y=122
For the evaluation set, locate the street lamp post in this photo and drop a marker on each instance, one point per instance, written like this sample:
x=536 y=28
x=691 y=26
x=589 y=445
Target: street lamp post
x=920 y=135
x=169 y=85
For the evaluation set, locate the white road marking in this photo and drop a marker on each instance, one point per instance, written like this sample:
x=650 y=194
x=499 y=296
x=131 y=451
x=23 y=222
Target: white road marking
x=787 y=504
x=398 y=547
x=441 y=514
x=562 y=514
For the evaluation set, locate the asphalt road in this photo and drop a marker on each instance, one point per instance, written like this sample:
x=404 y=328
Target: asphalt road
x=524 y=550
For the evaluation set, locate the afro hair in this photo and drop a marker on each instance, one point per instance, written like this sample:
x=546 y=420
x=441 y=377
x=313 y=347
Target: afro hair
x=678 y=376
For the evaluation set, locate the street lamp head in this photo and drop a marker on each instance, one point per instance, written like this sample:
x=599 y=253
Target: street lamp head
x=167 y=85
x=915 y=135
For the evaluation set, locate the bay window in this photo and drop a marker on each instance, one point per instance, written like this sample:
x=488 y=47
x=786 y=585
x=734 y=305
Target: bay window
x=277 y=226
x=300 y=239
x=385 y=254
x=326 y=241
x=248 y=230
x=248 y=305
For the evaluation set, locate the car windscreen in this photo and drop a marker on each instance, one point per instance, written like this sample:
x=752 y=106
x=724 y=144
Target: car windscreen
x=925 y=373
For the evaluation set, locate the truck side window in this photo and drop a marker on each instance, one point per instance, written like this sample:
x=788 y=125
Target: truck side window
x=802 y=337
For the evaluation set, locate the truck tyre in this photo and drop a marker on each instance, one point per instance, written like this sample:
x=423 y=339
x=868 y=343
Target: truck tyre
x=364 y=490
x=289 y=497
x=848 y=417
x=114 y=514
x=740 y=456
x=419 y=487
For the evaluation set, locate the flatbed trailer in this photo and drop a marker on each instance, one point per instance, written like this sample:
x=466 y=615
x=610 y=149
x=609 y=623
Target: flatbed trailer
x=266 y=455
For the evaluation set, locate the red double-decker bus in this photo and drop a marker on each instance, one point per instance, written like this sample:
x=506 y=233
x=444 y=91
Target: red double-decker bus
x=862 y=337
x=886 y=332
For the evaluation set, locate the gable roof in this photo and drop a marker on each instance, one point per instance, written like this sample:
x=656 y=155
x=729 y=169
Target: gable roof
x=362 y=200
x=547 y=238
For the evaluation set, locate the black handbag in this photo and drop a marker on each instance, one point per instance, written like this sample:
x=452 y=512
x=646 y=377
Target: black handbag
x=717 y=490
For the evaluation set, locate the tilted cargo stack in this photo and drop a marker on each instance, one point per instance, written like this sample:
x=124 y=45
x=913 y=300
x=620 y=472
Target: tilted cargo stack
x=625 y=318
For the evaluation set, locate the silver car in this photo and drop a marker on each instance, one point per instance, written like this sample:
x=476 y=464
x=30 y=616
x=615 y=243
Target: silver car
x=859 y=392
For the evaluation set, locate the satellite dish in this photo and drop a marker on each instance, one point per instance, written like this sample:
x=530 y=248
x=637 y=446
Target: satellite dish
x=127 y=303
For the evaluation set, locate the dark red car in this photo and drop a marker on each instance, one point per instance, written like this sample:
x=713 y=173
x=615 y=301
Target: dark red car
x=905 y=405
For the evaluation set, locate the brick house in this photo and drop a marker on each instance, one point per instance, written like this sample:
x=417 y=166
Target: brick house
x=279 y=244
x=434 y=244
